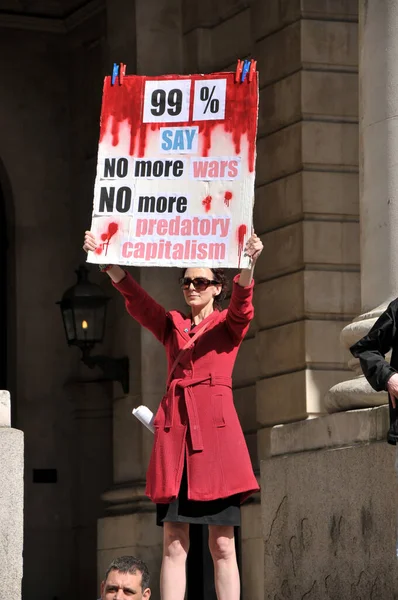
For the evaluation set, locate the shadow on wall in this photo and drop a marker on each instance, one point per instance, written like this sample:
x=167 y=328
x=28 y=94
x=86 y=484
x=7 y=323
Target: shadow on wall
x=7 y=290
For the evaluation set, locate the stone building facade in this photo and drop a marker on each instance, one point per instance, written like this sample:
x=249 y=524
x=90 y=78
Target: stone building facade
x=79 y=430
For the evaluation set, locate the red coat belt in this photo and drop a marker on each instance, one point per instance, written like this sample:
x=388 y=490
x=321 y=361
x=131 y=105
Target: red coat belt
x=190 y=402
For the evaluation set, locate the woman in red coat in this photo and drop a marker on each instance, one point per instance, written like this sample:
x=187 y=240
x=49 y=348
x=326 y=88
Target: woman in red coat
x=200 y=469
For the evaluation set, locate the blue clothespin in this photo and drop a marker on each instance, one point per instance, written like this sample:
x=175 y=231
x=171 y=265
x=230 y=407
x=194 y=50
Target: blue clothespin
x=115 y=73
x=245 y=70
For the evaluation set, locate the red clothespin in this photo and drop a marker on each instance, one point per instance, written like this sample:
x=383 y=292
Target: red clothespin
x=253 y=64
x=238 y=72
x=122 y=72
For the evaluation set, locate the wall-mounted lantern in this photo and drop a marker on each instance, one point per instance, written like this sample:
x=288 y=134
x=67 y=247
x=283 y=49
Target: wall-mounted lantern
x=83 y=309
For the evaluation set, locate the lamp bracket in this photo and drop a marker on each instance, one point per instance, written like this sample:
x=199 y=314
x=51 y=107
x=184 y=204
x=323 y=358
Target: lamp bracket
x=114 y=369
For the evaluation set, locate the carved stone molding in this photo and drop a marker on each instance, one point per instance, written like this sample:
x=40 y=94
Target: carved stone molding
x=48 y=24
x=356 y=393
x=127 y=498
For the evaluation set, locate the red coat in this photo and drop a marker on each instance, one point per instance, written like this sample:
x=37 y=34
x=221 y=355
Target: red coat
x=197 y=417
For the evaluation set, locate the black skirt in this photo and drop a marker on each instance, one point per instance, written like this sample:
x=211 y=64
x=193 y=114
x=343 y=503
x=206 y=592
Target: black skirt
x=224 y=511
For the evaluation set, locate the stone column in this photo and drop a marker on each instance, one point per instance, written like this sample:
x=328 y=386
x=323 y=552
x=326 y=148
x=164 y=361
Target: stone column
x=91 y=458
x=214 y=37
x=306 y=208
x=131 y=40
x=11 y=502
x=145 y=35
x=378 y=109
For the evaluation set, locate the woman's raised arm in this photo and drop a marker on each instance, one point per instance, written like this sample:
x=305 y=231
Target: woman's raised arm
x=254 y=247
x=139 y=304
x=240 y=311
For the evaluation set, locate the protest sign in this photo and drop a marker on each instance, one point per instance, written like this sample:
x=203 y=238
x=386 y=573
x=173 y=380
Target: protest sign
x=175 y=171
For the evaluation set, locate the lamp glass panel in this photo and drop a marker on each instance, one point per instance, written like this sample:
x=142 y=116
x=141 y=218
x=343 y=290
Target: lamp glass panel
x=69 y=324
x=90 y=323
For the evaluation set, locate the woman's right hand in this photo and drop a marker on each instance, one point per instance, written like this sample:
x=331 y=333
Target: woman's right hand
x=89 y=242
x=115 y=272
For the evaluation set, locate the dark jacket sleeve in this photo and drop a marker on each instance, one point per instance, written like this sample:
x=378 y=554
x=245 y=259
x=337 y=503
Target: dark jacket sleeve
x=240 y=311
x=143 y=308
x=373 y=347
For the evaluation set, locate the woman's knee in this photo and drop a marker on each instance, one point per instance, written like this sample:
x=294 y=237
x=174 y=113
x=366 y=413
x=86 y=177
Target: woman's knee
x=176 y=539
x=222 y=542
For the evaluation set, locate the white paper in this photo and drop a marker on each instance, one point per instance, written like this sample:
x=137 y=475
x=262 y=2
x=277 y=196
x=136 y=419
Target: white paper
x=145 y=416
x=209 y=99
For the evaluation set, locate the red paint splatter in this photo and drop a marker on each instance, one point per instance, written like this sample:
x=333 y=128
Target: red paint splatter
x=123 y=103
x=242 y=229
x=207 y=203
x=106 y=237
x=227 y=198
x=112 y=229
x=99 y=249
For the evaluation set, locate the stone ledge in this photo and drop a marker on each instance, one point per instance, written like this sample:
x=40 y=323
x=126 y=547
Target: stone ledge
x=329 y=431
x=5 y=409
x=127 y=498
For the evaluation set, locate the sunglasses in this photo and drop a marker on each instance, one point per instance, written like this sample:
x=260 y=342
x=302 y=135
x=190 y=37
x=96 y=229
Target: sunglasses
x=199 y=283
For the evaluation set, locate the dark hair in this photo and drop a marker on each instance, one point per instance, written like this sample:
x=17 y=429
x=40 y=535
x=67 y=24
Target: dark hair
x=130 y=564
x=222 y=279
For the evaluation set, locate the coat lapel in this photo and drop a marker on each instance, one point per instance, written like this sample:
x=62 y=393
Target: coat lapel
x=182 y=323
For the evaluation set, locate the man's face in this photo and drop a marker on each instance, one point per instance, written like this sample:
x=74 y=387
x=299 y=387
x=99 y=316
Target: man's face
x=124 y=586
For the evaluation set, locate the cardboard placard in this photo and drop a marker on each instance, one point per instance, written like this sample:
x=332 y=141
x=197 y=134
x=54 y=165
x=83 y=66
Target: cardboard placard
x=175 y=171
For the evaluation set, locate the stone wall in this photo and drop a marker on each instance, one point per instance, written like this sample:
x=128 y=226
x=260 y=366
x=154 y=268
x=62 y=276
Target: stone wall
x=306 y=211
x=67 y=427
x=329 y=493
x=306 y=202
x=307 y=280
x=34 y=151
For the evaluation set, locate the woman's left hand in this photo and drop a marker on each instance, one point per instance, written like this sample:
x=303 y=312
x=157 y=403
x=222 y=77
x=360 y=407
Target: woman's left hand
x=253 y=248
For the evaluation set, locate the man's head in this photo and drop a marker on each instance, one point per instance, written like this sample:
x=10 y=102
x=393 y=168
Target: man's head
x=126 y=578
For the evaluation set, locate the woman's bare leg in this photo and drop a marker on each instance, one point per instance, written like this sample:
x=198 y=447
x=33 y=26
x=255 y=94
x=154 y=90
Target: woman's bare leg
x=175 y=550
x=226 y=573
